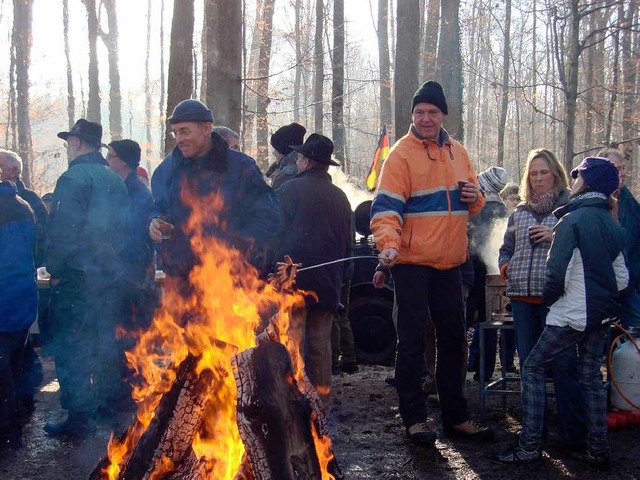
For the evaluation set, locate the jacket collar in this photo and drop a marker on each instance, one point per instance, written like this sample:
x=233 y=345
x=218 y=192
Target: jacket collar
x=443 y=136
x=315 y=173
x=91 y=157
x=215 y=159
x=588 y=199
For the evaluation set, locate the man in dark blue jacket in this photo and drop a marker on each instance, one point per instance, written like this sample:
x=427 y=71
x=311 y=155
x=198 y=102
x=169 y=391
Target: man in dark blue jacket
x=85 y=236
x=18 y=303
x=202 y=166
x=627 y=212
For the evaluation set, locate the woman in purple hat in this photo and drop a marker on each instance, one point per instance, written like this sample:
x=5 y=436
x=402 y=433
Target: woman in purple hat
x=586 y=273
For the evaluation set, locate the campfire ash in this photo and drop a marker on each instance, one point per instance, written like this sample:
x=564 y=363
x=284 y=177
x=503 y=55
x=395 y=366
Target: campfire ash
x=215 y=400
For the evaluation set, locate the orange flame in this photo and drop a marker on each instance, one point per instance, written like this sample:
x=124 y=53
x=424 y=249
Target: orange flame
x=218 y=318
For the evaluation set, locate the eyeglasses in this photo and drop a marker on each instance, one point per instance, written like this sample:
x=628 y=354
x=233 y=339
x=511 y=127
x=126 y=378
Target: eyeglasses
x=183 y=132
x=109 y=155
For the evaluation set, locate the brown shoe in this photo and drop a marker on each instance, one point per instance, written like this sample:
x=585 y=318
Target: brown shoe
x=420 y=434
x=469 y=430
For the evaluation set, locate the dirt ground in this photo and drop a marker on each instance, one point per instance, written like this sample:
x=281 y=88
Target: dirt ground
x=367 y=434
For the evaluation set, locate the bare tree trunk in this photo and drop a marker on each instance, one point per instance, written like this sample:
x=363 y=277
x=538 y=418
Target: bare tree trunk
x=93 y=112
x=262 y=124
x=111 y=42
x=251 y=83
x=506 y=54
x=384 y=64
x=148 y=149
x=223 y=21
x=180 y=81
x=22 y=39
x=298 y=72
x=450 y=66
x=71 y=101
x=11 y=107
x=162 y=115
x=431 y=39
x=630 y=123
x=337 y=104
x=534 y=76
x=318 y=82
x=406 y=70
x=204 y=47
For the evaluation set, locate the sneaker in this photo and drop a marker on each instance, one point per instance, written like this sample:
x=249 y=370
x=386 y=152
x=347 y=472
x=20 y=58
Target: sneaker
x=517 y=456
x=350 y=367
x=76 y=425
x=599 y=462
x=469 y=430
x=420 y=434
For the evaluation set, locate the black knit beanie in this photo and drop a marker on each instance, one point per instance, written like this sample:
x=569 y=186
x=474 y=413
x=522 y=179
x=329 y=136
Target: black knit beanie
x=430 y=92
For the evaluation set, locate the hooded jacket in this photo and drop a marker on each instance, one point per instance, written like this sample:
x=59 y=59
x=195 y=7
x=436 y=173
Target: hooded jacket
x=586 y=266
x=18 y=291
x=417 y=208
x=248 y=215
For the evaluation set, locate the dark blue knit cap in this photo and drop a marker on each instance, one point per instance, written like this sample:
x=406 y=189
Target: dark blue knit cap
x=599 y=173
x=191 y=111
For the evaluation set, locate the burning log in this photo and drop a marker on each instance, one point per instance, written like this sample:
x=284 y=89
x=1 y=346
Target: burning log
x=277 y=421
x=166 y=444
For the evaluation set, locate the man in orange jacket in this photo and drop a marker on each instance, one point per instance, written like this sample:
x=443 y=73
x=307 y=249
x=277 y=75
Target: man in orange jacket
x=427 y=192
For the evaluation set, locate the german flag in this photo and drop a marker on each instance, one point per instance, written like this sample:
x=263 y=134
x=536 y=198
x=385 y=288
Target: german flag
x=382 y=151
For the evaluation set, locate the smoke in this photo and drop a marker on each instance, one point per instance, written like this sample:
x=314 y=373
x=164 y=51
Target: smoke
x=491 y=247
x=355 y=195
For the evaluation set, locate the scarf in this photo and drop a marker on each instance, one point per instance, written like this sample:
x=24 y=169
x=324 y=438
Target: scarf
x=543 y=203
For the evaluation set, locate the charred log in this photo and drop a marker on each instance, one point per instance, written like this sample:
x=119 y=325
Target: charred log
x=275 y=417
x=166 y=444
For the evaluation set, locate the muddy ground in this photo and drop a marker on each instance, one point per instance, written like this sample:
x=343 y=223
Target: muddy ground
x=367 y=433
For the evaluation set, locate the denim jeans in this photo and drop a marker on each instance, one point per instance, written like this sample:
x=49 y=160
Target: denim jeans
x=529 y=322
x=552 y=343
x=419 y=291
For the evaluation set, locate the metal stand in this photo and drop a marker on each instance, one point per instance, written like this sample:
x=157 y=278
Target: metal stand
x=496 y=319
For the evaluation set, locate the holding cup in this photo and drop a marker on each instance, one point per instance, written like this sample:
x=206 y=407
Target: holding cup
x=165 y=226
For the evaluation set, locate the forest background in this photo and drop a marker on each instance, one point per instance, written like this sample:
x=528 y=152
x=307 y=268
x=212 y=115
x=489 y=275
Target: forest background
x=518 y=74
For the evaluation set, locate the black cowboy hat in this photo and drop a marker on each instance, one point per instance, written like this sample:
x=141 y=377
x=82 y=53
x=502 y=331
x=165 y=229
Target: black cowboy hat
x=90 y=132
x=318 y=148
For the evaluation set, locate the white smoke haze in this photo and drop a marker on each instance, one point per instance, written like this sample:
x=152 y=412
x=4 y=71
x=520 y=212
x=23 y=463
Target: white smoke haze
x=355 y=194
x=489 y=251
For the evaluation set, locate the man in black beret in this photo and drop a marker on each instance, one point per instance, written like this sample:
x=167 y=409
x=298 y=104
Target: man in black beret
x=284 y=168
x=316 y=228
x=84 y=239
x=201 y=165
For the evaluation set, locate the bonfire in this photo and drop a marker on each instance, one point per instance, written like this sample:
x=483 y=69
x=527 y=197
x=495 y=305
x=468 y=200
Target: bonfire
x=222 y=392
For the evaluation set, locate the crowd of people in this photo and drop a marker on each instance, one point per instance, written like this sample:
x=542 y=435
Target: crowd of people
x=570 y=257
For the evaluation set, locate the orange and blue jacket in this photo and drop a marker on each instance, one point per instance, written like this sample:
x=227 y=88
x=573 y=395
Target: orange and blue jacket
x=417 y=208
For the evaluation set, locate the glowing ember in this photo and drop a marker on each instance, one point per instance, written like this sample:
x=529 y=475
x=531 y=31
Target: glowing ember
x=212 y=318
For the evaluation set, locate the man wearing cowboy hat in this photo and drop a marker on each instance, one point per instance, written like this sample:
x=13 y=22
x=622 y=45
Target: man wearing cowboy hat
x=316 y=228
x=83 y=257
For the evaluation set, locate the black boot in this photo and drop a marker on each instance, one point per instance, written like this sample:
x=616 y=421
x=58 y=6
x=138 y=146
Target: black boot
x=76 y=425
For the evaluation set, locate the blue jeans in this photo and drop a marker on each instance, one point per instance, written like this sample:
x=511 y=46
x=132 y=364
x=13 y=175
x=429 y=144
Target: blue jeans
x=529 y=322
x=552 y=343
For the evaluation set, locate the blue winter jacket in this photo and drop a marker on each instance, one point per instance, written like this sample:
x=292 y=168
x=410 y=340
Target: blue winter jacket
x=18 y=291
x=586 y=266
x=249 y=215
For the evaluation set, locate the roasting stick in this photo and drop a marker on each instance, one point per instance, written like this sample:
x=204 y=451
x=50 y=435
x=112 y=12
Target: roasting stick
x=346 y=259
